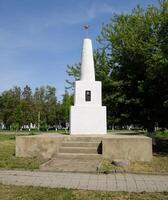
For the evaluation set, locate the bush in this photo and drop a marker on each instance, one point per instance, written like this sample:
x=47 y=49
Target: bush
x=43 y=126
x=15 y=126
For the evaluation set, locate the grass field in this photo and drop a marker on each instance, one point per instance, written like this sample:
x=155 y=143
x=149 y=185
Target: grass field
x=39 y=193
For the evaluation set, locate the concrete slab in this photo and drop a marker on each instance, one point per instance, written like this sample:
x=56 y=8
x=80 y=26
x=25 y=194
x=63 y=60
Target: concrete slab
x=70 y=165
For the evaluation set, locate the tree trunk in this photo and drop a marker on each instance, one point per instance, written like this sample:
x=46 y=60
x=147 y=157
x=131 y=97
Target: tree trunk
x=151 y=131
x=38 y=117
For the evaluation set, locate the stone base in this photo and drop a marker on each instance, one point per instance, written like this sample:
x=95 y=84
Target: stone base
x=124 y=147
x=45 y=145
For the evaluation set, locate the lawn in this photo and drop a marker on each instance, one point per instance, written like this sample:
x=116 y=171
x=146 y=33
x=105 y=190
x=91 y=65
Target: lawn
x=39 y=193
x=159 y=164
x=8 y=159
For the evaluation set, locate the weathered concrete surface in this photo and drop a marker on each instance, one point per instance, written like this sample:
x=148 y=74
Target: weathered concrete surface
x=51 y=145
x=133 y=148
x=71 y=165
x=124 y=147
x=45 y=145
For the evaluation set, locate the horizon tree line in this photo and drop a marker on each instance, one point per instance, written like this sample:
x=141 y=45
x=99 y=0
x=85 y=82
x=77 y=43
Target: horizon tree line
x=20 y=108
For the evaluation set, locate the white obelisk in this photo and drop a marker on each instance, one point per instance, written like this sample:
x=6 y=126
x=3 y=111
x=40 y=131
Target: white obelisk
x=88 y=116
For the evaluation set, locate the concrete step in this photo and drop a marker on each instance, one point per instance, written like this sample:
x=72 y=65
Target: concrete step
x=77 y=150
x=79 y=156
x=80 y=144
x=84 y=139
x=70 y=165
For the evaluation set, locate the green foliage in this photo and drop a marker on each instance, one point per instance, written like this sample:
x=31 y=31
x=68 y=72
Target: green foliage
x=43 y=126
x=136 y=45
x=15 y=126
x=67 y=102
x=73 y=72
x=162 y=134
x=8 y=105
x=19 y=108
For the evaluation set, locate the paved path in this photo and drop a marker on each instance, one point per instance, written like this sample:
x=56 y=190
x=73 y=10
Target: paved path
x=102 y=182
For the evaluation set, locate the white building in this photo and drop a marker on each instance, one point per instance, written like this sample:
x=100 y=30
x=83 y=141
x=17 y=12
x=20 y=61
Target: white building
x=88 y=116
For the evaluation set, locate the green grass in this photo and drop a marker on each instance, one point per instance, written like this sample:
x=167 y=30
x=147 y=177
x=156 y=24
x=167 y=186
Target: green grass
x=39 y=193
x=8 y=159
x=159 y=164
x=7 y=137
x=62 y=131
x=161 y=140
x=162 y=134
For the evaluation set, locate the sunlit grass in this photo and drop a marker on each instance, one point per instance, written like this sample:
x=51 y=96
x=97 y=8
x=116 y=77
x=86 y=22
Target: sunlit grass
x=41 y=193
x=159 y=164
x=8 y=160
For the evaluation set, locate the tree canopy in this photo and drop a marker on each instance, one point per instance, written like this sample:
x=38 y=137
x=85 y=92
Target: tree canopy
x=40 y=108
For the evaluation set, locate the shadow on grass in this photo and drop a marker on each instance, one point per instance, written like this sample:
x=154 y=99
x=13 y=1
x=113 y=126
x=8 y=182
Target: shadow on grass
x=161 y=146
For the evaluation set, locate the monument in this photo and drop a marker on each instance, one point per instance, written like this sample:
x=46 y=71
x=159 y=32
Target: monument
x=88 y=138
x=87 y=116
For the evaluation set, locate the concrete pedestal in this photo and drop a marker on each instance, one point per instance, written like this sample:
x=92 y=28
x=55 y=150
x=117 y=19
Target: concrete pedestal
x=88 y=120
x=124 y=147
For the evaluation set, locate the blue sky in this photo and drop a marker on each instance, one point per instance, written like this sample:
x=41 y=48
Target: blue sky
x=38 y=38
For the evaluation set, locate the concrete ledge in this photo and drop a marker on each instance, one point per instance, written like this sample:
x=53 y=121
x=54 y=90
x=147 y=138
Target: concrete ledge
x=133 y=148
x=45 y=145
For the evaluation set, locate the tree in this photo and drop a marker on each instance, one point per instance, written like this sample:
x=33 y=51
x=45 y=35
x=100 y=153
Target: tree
x=27 y=106
x=66 y=103
x=73 y=72
x=39 y=101
x=27 y=93
x=51 y=105
x=9 y=105
x=19 y=108
x=136 y=45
